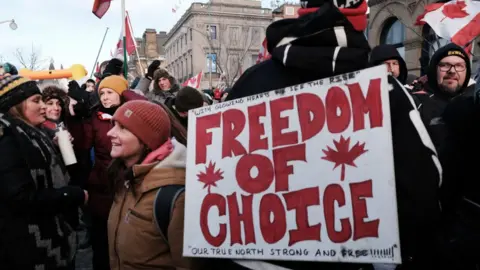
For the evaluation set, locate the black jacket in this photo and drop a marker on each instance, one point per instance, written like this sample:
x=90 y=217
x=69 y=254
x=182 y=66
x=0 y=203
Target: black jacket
x=34 y=213
x=381 y=53
x=432 y=104
x=311 y=57
x=461 y=188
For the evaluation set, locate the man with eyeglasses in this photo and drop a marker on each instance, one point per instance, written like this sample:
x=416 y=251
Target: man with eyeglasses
x=448 y=77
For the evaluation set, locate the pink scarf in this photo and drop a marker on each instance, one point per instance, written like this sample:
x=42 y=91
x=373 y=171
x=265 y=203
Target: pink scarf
x=159 y=154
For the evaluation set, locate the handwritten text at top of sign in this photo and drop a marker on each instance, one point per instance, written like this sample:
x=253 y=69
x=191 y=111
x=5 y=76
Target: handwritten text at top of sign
x=335 y=113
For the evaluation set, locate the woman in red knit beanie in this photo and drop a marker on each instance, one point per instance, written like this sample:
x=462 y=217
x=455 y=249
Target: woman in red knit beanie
x=146 y=161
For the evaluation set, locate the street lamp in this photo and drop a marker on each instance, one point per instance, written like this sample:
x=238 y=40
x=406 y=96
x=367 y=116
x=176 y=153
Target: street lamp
x=12 y=24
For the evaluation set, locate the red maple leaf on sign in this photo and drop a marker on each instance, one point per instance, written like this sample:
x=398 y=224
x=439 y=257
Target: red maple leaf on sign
x=453 y=11
x=344 y=156
x=210 y=176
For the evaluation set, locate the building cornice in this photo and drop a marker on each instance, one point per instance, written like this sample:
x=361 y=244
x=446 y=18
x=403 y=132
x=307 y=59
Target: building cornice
x=192 y=11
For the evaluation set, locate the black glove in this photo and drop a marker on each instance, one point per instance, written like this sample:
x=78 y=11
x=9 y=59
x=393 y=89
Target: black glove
x=114 y=67
x=75 y=92
x=151 y=69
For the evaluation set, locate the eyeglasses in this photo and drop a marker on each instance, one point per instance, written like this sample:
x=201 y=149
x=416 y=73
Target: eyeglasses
x=459 y=67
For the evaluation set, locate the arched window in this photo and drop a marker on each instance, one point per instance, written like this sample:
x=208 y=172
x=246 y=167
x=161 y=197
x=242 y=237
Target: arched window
x=394 y=33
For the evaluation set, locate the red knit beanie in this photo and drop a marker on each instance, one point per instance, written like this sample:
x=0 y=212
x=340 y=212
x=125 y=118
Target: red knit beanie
x=146 y=120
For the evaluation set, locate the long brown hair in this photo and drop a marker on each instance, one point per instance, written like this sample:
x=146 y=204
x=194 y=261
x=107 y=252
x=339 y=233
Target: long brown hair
x=177 y=130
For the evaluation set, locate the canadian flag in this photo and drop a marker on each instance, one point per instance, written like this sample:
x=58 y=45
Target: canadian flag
x=129 y=41
x=194 y=81
x=263 y=53
x=456 y=20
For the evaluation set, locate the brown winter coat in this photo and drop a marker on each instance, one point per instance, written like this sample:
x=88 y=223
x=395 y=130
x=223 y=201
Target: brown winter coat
x=135 y=242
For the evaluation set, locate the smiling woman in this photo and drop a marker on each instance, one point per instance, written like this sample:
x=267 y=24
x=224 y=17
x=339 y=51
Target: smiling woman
x=39 y=203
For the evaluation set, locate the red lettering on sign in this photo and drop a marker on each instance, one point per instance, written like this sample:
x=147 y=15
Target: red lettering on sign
x=257 y=129
x=334 y=193
x=280 y=123
x=204 y=138
x=281 y=157
x=372 y=104
x=236 y=218
x=265 y=175
x=311 y=115
x=338 y=110
x=233 y=125
x=210 y=201
x=300 y=200
x=363 y=229
x=272 y=231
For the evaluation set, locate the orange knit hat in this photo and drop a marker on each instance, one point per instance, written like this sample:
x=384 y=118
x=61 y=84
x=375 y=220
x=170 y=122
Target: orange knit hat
x=146 y=120
x=114 y=82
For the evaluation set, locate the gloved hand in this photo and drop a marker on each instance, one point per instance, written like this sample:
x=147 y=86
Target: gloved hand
x=151 y=69
x=114 y=67
x=74 y=91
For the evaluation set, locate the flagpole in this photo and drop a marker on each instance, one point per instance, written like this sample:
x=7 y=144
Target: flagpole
x=124 y=39
x=99 y=50
x=135 y=43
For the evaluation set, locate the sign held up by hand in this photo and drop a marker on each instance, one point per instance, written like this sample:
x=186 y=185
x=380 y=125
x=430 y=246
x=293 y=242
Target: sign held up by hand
x=302 y=173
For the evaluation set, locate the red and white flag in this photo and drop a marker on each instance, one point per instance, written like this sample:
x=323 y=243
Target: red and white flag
x=456 y=20
x=263 y=53
x=194 y=81
x=100 y=7
x=130 y=41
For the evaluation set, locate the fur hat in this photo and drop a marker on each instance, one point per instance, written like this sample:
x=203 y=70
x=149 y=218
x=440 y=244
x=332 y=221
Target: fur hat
x=54 y=92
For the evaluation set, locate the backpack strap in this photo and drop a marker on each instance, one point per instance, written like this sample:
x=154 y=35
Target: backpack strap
x=163 y=206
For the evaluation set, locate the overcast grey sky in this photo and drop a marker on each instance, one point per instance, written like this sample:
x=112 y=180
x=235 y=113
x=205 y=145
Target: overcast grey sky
x=68 y=32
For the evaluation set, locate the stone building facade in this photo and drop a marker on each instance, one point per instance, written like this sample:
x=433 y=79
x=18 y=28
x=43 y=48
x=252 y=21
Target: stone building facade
x=150 y=47
x=221 y=38
x=393 y=22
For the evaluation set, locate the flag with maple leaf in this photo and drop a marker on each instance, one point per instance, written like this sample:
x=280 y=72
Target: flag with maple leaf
x=210 y=177
x=194 y=81
x=344 y=155
x=456 y=20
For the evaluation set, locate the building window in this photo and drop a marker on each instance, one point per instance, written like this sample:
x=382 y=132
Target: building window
x=254 y=59
x=185 y=36
x=393 y=33
x=212 y=30
x=191 y=64
x=290 y=11
x=191 y=34
x=211 y=62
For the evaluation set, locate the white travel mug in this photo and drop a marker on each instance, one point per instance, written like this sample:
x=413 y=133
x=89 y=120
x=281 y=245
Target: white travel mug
x=66 y=147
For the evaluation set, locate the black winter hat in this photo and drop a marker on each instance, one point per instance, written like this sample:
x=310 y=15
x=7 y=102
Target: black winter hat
x=188 y=98
x=450 y=49
x=114 y=67
x=14 y=90
x=382 y=53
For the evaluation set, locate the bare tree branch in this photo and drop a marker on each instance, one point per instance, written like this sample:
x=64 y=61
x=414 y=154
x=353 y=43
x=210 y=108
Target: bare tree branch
x=31 y=60
x=231 y=51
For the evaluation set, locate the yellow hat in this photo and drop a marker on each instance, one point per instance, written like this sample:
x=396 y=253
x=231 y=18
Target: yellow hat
x=114 y=82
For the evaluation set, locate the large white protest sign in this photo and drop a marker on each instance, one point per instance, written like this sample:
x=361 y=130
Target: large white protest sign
x=301 y=173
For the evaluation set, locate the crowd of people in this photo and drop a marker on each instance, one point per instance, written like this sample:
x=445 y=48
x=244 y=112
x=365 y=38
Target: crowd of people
x=127 y=188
